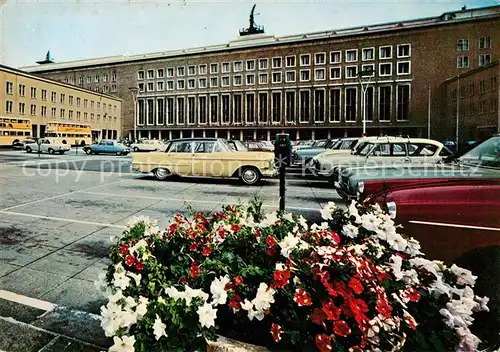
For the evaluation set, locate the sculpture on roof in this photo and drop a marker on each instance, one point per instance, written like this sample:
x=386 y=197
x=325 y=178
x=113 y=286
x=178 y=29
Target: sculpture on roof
x=48 y=59
x=253 y=28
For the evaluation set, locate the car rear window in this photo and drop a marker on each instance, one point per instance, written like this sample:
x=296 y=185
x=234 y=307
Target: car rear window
x=422 y=149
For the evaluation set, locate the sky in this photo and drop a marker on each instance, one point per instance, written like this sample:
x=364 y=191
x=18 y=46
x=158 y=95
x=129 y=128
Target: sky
x=81 y=29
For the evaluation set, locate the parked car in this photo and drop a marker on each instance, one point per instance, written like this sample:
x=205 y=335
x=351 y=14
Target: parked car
x=46 y=145
x=377 y=151
x=107 y=147
x=146 y=145
x=303 y=156
x=208 y=157
x=301 y=144
x=482 y=162
x=20 y=145
x=259 y=146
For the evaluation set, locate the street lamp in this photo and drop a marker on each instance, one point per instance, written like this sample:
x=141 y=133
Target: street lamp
x=366 y=72
x=134 y=91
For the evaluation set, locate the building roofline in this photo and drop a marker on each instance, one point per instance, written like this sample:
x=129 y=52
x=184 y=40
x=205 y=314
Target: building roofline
x=473 y=71
x=260 y=40
x=52 y=81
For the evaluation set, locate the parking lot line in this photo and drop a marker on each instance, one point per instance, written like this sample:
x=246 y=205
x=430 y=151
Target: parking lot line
x=27 y=301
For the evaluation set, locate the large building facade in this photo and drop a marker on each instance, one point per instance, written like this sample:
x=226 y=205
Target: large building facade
x=308 y=85
x=42 y=100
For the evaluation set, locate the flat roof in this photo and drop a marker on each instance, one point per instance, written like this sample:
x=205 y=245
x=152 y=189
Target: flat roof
x=473 y=71
x=259 y=40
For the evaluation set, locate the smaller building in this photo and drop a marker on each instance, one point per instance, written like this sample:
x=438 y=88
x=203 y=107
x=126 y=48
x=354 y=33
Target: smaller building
x=473 y=100
x=50 y=107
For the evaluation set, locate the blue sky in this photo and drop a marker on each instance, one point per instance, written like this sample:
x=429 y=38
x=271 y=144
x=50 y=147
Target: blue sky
x=81 y=29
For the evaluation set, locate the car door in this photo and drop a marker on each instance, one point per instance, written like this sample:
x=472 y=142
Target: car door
x=109 y=147
x=421 y=153
x=203 y=163
x=388 y=154
x=178 y=158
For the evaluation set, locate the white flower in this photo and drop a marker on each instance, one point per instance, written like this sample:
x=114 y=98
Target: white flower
x=207 y=315
x=142 y=307
x=350 y=231
x=395 y=264
x=303 y=223
x=468 y=341
x=482 y=304
x=217 y=288
x=397 y=242
x=279 y=266
x=173 y=293
x=448 y=317
x=123 y=344
x=121 y=280
x=190 y=293
x=410 y=277
x=130 y=302
x=288 y=244
x=353 y=211
x=413 y=247
x=247 y=305
x=136 y=277
x=161 y=300
x=269 y=219
x=438 y=287
x=100 y=284
x=371 y=222
x=326 y=212
x=288 y=217
x=159 y=328
x=137 y=219
x=426 y=264
x=264 y=298
x=118 y=295
x=464 y=276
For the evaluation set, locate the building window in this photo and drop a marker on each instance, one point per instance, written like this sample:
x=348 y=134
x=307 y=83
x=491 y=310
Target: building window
x=305 y=59
x=78 y=115
x=335 y=73
x=263 y=108
x=92 y=104
x=202 y=69
x=276 y=62
x=191 y=83
x=44 y=94
x=106 y=89
x=9 y=86
x=276 y=77
x=385 y=52
x=151 y=74
x=33 y=109
x=170 y=85
x=160 y=73
x=385 y=69
x=214 y=82
x=140 y=86
x=53 y=112
x=320 y=58
x=160 y=86
x=250 y=65
x=63 y=98
x=225 y=67
x=180 y=111
x=237 y=107
x=202 y=83
x=290 y=61
x=214 y=103
x=85 y=116
x=462 y=44
x=61 y=113
x=276 y=107
x=80 y=81
x=369 y=104
x=225 y=108
x=180 y=84
x=238 y=66
x=170 y=111
x=92 y=117
x=384 y=106
x=22 y=89
x=263 y=64
x=290 y=76
x=44 y=111
x=404 y=68
x=404 y=50
x=484 y=59
x=319 y=74
x=403 y=93
x=482 y=85
x=151 y=86
x=181 y=71
x=290 y=107
x=250 y=108
x=202 y=109
x=33 y=93
x=237 y=80
x=335 y=57
x=462 y=62
x=368 y=67
x=8 y=107
x=140 y=76
x=225 y=81
x=335 y=105
x=351 y=71
x=485 y=43
x=319 y=105
x=305 y=75
x=170 y=72
x=351 y=100
x=114 y=88
x=78 y=102
x=97 y=79
x=214 y=68
x=368 y=54
x=250 y=79
x=263 y=78
x=85 y=103
x=70 y=114
x=70 y=99
x=472 y=88
x=191 y=70
x=89 y=79
x=304 y=106
x=493 y=81
x=105 y=79
x=351 y=55
x=191 y=108
x=113 y=77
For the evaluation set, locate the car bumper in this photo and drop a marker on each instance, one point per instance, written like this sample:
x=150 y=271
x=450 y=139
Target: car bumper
x=270 y=173
x=345 y=195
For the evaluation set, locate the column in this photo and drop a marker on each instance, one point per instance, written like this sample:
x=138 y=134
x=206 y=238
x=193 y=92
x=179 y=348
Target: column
x=192 y=133
x=228 y=134
x=254 y=135
x=329 y=134
x=345 y=133
x=268 y=135
x=170 y=134
x=181 y=134
x=297 y=135
x=130 y=135
x=216 y=133
x=204 y=133
x=241 y=135
x=313 y=135
x=159 y=135
x=149 y=134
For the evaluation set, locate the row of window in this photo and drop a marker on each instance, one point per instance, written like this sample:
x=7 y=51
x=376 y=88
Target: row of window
x=483 y=60
x=482 y=107
x=320 y=74
x=367 y=54
x=88 y=79
x=104 y=89
x=483 y=43
x=336 y=105
x=53 y=112
x=470 y=88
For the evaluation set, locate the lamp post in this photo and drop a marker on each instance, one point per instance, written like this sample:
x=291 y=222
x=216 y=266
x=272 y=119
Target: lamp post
x=367 y=72
x=134 y=91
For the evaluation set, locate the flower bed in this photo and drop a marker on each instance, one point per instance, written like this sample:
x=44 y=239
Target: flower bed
x=352 y=283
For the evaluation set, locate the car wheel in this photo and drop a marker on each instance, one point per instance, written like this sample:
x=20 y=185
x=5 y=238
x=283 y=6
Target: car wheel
x=118 y=153
x=161 y=173
x=88 y=151
x=250 y=176
x=136 y=149
x=28 y=150
x=51 y=151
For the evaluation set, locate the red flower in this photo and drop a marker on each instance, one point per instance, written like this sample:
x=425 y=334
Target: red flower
x=238 y=280
x=281 y=278
x=235 y=227
x=383 y=307
x=323 y=342
x=333 y=237
x=124 y=249
x=341 y=328
x=139 y=266
x=129 y=260
x=356 y=286
x=193 y=247
x=194 y=271
x=413 y=295
x=235 y=302
x=332 y=312
x=318 y=316
x=302 y=298
x=229 y=286
x=276 y=332
x=257 y=233
x=271 y=252
x=271 y=242
x=206 y=251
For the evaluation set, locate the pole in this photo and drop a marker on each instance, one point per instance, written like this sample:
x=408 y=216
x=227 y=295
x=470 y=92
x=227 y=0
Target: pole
x=135 y=116
x=282 y=185
x=429 y=115
x=364 y=110
x=458 y=110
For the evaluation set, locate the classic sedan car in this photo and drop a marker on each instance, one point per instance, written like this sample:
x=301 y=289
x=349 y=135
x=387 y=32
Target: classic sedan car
x=146 y=145
x=207 y=157
x=46 y=145
x=482 y=162
x=305 y=156
x=107 y=147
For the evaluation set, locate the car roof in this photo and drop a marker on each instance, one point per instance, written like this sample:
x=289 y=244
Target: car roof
x=387 y=139
x=195 y=139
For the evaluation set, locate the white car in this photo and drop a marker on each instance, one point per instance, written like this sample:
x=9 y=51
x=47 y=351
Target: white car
x=46 y=145
x=147 y=145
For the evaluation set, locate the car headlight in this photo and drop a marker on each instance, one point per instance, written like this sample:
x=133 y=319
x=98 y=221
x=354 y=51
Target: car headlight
x=392 y=209
x=360 y=188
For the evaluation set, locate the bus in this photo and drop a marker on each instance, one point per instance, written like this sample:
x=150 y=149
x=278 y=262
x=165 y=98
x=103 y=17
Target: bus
x=14 y=130
x=69 y=133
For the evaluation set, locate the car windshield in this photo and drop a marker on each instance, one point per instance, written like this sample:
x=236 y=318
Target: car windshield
x=235 y=146
x=345 y=144
x=364 y=149
x=330 y=144
x=486 y=154
x=319 y=144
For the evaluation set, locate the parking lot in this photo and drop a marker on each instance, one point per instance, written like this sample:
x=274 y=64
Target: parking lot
x=58 y=215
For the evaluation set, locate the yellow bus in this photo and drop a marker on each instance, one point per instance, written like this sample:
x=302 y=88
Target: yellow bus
x=69 y=133
x=14 y=130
